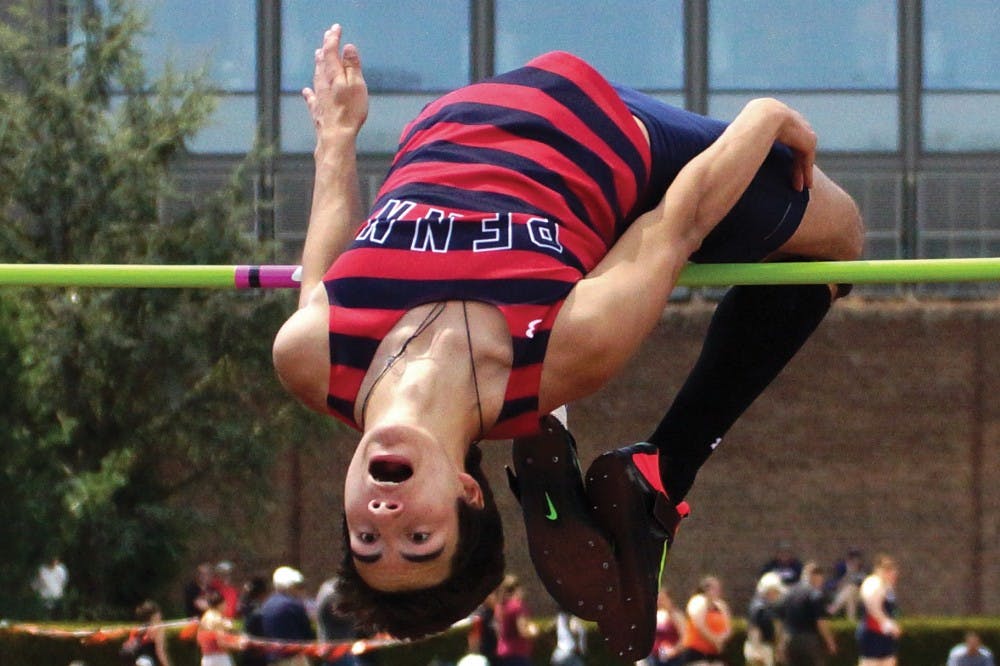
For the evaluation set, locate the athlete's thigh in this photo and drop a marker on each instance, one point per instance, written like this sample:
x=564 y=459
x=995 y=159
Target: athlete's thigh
x=831 y=227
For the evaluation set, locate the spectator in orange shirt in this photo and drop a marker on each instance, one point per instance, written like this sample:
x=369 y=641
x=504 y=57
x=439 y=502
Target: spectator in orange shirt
x=709 y=624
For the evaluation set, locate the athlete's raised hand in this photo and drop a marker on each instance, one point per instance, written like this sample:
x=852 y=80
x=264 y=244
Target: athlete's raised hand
x=798 y=134
x=338 y=100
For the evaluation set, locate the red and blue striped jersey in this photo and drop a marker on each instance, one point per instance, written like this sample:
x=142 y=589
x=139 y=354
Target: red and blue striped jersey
x=508 y=192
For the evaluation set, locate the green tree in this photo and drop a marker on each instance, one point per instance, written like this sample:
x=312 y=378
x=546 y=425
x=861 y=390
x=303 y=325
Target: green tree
x=130 y=415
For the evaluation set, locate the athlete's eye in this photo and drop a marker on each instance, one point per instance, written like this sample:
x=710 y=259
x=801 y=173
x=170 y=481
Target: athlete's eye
x=367 y=537
x=420 y=537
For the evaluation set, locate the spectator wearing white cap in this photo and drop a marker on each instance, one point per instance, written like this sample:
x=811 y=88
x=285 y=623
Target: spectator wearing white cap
x=763 y=626
x=223 y=582
x=284 y=616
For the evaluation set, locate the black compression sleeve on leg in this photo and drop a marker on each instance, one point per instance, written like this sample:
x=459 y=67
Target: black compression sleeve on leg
x=754 y=333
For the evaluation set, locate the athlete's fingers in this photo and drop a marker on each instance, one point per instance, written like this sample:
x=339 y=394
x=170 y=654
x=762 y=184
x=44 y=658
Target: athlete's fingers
x=327 y=57
x=331 y=51
x=805 y=159
x=800 y=137
x=807 y=174
x=309 y=95
x=351 y=62
x=320 y=79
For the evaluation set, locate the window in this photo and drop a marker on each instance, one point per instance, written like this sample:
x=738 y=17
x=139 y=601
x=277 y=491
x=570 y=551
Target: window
x=411 y=51
x=222 y=36
x=836 y=62
x=961 y=75
x=641 y=46
x=219 y=37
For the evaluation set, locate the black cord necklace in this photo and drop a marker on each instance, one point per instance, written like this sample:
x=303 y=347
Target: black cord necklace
x=391 y=361
x=472 y=362
x=435 y=312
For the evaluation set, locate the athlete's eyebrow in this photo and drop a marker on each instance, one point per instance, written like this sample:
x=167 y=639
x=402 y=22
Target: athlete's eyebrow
x=409 y=557
x=426 y=557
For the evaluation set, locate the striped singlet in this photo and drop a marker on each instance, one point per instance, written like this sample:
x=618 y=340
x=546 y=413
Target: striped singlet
x=507 y=192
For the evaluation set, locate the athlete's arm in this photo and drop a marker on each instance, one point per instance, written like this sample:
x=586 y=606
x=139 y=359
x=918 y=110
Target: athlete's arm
x=160 y=645
x=873 y=597
x=338 y=104
x=727 y=630
x=826 y=631
x=611 y=311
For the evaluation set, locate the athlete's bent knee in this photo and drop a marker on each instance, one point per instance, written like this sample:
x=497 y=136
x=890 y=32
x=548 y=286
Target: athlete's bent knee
x=853 y=239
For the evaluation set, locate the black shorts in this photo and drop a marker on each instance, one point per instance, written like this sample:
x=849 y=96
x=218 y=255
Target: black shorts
x=762 y=220
x=875 y=645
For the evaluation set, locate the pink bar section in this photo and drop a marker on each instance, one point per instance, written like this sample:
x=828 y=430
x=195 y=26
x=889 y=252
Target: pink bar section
x=268 y=277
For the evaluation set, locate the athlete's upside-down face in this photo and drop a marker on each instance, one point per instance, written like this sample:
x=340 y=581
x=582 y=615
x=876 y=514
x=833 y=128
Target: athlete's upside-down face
x=400 y=497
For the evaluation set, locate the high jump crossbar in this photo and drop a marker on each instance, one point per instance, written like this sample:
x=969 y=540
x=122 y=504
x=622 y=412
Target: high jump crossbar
x=121 y=276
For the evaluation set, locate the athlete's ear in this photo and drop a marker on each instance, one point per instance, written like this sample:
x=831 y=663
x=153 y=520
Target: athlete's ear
x=471 y=492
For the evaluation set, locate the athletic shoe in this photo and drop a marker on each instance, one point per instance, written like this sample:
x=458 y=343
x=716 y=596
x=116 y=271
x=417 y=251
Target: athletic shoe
x=641 y=521
x=571 y=554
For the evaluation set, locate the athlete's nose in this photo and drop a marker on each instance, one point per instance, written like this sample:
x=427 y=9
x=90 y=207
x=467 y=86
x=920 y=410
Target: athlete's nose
x=385 y=507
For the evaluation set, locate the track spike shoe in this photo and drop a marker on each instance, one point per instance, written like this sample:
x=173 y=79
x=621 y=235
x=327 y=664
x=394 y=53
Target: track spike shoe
x=642 y=522
x=572 y=555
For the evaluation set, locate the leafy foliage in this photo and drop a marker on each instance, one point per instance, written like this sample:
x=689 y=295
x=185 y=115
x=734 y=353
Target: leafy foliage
x=122 y=409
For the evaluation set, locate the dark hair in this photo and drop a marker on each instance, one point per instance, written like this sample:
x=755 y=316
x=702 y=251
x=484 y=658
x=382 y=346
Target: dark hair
x=705 y=583
x=814 y=567
x=476 y=569
x=255 y=588
x=883 y=561
x=145 y=611
x=213 y=598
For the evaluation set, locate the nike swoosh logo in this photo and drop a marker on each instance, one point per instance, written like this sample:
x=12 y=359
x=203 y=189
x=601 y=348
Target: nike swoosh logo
x=663 y=563
x=552 y=513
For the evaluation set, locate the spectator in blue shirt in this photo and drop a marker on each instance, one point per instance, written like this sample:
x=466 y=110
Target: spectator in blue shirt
x=970 y=653
x=284 y=616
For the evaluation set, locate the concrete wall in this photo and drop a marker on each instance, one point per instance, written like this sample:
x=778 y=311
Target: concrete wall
x=884 y=433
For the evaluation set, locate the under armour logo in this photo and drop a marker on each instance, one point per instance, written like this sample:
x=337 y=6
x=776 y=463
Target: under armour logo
x=532 y=325
x=715 y=444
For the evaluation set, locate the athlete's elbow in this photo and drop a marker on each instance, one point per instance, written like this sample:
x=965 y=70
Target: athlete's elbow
x=298 y=366
x=282 y=359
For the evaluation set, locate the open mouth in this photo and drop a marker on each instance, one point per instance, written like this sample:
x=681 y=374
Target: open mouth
x=390 y=469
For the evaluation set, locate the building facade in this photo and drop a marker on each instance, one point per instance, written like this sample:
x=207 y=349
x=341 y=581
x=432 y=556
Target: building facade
x=904 y=94
x=905 y=97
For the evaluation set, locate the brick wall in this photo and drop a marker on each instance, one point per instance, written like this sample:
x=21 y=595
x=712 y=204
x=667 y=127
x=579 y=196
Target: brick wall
x=884 y=433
